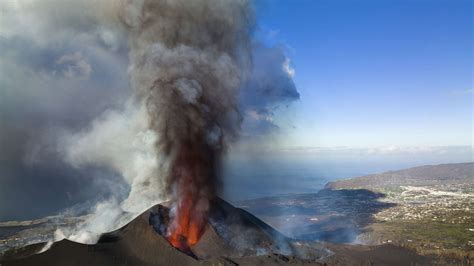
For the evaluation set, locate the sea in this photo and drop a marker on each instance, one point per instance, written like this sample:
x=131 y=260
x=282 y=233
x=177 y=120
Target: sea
x=254 y=177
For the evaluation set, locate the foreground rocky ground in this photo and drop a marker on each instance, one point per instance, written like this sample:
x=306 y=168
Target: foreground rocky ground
x=232 y=237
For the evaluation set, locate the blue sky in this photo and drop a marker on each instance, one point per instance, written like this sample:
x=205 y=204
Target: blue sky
x=375 y=73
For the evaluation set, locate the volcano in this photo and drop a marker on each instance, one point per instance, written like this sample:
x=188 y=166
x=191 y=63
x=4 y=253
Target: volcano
x=232 y=236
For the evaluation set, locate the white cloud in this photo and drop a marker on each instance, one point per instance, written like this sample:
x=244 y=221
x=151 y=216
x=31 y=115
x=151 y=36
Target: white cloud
x=253 y=114
x=288 y=69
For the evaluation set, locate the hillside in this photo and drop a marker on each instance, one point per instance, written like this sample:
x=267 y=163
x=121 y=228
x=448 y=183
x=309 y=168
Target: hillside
x=429 y=175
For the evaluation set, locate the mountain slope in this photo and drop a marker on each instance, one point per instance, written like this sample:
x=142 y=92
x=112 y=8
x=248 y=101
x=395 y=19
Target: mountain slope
x=230 y=233
x=429 y=175
x=232 y=237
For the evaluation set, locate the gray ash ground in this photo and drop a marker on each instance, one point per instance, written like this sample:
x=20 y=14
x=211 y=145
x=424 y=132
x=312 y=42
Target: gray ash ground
x=337 y=216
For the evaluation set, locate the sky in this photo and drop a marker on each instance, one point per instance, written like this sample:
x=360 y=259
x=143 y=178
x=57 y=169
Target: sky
x=369 y=85
x=375 y=73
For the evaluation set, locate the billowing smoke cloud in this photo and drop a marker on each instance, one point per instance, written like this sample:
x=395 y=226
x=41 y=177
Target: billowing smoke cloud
x=121 y=141
x=270 y=86
x=188 y=60
x=74 y=132
x=57 y=74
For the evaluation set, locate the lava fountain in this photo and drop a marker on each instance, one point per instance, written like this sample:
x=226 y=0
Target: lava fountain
x=188 y=60
x=192 y=173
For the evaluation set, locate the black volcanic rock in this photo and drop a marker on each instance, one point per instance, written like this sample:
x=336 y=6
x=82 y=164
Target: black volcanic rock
x=232 y=237
x=230 y=233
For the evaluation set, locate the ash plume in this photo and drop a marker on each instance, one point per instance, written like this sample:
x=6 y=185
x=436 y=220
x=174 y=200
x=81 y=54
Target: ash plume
x=188 y=61
x=83 y=140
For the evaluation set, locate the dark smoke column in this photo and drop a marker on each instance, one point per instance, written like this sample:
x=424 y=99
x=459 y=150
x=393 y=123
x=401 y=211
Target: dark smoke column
x=188 y=60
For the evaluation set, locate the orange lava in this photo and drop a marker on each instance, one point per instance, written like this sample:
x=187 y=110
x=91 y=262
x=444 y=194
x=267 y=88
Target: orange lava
x=191 y=187
x=187 y=229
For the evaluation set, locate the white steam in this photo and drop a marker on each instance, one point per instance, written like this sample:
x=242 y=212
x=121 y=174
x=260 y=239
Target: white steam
x=121 y=141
